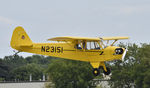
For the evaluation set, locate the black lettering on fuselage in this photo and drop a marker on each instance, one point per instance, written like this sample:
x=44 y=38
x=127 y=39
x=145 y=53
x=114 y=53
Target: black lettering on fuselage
x=58 y=49
x=62 y=49
x=52 y=49
x=47 y=48
x=101 y=52
x=43 y=49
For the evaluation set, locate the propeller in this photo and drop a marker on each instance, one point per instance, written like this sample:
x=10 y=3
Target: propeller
x=124 y=54
x=126 y=49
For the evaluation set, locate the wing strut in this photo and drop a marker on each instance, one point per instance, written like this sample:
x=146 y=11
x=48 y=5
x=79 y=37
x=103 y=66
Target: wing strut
x=114 y=42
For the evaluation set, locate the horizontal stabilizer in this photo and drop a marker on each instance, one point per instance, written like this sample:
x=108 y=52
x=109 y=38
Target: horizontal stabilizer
x=26 y=45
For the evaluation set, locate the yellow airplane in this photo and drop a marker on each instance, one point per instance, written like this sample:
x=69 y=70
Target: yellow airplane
x=92 y=50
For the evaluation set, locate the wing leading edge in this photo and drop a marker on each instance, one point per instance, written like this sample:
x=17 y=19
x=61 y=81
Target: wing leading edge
x=114 y=38
x=69 y=38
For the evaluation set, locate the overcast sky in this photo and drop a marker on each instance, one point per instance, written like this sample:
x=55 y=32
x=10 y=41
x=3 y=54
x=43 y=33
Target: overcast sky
x=43 y=19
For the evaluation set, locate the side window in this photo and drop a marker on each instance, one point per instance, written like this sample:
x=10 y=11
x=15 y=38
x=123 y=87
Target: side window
x=81 y=45
x=92 y=45
x=78 y=46
x=97 y=45
x=88 y=45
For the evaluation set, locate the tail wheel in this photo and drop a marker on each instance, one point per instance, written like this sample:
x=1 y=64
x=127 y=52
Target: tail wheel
x=108 y=71
x=96 y=71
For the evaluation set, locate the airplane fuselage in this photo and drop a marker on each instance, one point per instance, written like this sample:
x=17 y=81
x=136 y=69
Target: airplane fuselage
x=68 y=51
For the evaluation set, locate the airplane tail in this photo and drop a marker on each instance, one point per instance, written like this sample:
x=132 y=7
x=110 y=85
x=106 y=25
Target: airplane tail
x=20 y=39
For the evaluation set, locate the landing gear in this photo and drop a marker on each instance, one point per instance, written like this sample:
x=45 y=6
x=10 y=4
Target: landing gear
x=97 y=66
x=106 y=72
x=96 y=71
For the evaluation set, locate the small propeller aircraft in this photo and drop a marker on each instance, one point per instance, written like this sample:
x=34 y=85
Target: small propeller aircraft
x=92 y=50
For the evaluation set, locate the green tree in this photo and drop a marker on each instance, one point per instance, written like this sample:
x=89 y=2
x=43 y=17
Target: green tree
x=135 y=70
x=14 y=61
x=10 y=65
x=70 y=74
x=146 y=81
x=4 y=69
x=141 y=68
x=39 y=59
x=22 y=73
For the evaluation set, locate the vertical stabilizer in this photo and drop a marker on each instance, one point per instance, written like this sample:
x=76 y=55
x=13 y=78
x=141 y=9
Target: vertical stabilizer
x=20 y=38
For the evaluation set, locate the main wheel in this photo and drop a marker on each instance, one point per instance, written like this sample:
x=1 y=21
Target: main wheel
x=96 y=71
x=108 y=71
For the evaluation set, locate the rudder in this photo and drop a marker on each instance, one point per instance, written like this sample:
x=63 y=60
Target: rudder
x=20 y=38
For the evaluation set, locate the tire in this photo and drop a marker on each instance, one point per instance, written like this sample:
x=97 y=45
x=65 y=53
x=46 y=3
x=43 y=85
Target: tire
x=108 y=71
x=96 y=71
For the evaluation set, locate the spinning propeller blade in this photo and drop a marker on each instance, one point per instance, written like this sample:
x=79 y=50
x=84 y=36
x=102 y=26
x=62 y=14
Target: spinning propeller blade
x=124 y=54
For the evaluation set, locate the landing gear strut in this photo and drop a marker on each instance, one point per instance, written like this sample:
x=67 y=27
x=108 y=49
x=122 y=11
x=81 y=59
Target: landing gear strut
x=106 y=72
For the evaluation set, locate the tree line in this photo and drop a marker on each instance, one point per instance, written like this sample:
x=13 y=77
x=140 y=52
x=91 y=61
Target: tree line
x=18 y=68
x=133 y=72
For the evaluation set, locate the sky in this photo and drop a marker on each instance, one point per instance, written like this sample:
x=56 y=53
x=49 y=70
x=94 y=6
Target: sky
x=43 y=19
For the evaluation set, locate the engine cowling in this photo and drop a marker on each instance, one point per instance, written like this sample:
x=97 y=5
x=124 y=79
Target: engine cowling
x=118 y=51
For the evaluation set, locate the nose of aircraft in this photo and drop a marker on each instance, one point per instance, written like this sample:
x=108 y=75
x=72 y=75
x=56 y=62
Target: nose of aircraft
x=119 y=51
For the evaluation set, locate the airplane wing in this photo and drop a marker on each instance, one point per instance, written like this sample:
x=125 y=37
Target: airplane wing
x=114 y=38
x=69 y=38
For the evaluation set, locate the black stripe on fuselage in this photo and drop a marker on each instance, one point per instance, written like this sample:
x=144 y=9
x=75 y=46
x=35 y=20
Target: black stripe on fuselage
x=82 y=50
